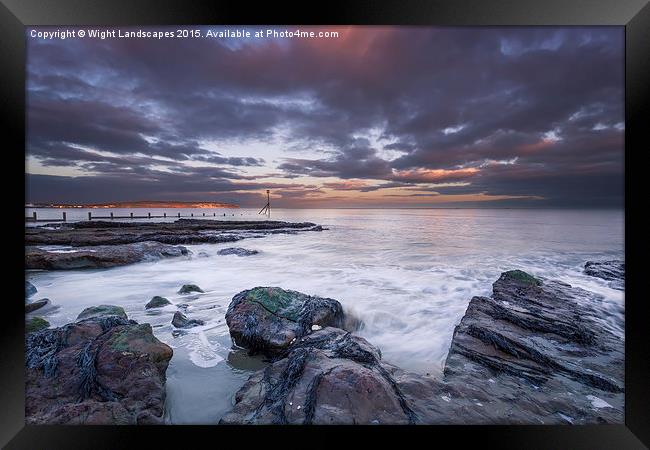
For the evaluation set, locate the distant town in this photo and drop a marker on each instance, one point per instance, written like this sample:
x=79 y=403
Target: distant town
x=136 y=204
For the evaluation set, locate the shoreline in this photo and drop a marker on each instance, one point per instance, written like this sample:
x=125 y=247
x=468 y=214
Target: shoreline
x=491 y=367
x=425 y=394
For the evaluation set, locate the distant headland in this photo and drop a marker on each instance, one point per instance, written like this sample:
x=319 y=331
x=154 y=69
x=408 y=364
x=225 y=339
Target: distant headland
x=136 y=204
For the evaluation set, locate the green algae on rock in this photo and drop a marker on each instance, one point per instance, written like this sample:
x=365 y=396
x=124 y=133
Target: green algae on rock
x=269 y=319
x=102 y=311
x=521 y=277
x=36 y=324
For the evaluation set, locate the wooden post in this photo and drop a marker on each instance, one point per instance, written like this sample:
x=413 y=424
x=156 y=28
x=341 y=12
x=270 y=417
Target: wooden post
x=131 y=215
x=179 y=215
x=65 y=219
x=34 y=214
x=90 y=215
x=111 y=216
x=149 y=215
x=214 y=214
x=192 y=214
x=164 y=214
x=203 y=214
x=267 y=208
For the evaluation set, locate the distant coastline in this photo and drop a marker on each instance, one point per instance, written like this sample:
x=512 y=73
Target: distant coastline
x=136 y=204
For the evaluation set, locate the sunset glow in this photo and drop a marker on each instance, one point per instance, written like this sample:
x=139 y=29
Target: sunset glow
x=375 y=117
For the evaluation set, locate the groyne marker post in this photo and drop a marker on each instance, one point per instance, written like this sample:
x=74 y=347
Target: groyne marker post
x=90 y=215
x=34 y=214
x=267 y=208
x=65 y=219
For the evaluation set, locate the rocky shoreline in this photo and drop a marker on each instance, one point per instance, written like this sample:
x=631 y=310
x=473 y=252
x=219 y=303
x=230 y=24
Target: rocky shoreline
x=530 y=354
x=101 y=369
x=102 y=244
x=533 y=352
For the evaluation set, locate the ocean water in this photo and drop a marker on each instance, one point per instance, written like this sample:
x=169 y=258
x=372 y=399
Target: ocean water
x=408 y=274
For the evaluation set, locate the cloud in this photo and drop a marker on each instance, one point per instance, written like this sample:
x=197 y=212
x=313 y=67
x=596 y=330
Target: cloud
x=532 y=112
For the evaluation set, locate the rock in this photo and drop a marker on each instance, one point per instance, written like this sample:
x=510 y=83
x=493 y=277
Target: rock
x=103 y=370
x=157 y=302
x=180 y=232
x=101 y=256
x=328 y=377
x=38 y=304
x=538 y=340
x=181 y=321
x=36 y=324
x=189 y=288
x=237 y=251
x=268 y=319
x=101 y=311
x=30 y=289
x=533 y=353
x=613 y=271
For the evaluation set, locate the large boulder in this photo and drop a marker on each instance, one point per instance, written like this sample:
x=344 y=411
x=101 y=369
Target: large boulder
x=100 y=256
x=536 y=352
x=549 y=357
x=269 y=319
x=328 y=377
x=100 y=370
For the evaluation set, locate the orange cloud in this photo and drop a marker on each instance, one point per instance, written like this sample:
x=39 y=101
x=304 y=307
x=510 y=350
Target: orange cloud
x=537 y=146
x=347 y=185
x=433 y=175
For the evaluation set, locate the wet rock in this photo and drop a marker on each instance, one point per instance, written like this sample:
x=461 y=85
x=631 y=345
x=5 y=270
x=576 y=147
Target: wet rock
x=36 y=324
x=237 y=251
x=189 y=288
x=328 y=377
x=533 y=353
x=157 y=302
x=102 y=311
x=539 y=341
x=613 y=271
x=268 y=319
x=180 y=232
x=38 y=304
x=30 y=289
x=102 y=370
x=101 y=256
x=180 y=320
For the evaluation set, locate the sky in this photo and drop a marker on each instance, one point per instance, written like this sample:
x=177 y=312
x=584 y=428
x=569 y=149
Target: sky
x=376 y=117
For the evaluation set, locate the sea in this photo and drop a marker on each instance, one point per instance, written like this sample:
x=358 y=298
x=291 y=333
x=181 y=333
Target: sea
x=408 y=274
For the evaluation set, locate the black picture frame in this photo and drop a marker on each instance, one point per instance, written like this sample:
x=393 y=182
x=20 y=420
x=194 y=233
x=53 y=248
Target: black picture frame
x=634 y=15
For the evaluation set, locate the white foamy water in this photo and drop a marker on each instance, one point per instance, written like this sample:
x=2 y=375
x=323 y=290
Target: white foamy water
x=408 y=274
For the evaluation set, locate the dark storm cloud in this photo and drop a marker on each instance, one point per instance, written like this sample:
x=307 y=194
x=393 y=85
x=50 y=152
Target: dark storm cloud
x=534 y=112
